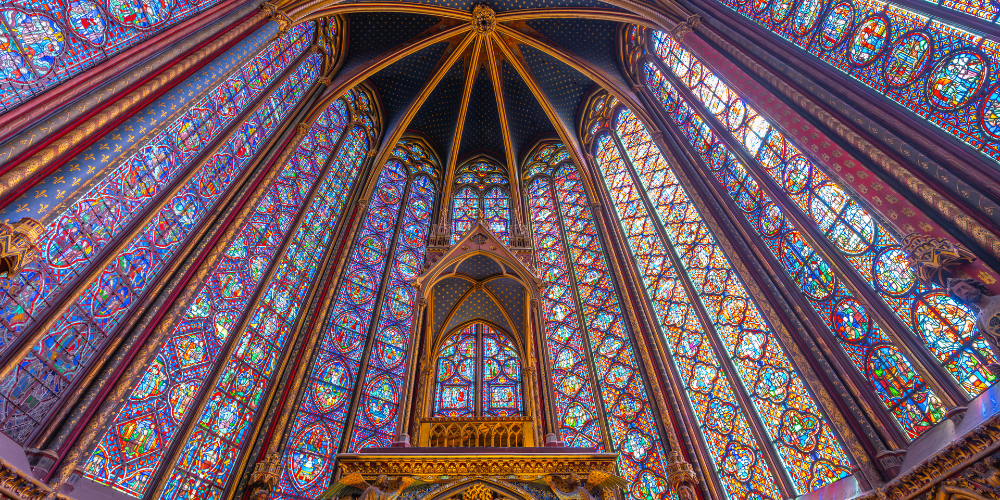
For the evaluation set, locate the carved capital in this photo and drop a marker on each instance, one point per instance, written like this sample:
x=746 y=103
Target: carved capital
x=18 y=244
x=679 y=471
x=932 y=258
x=265 y=476
x=324 y=80
x=890 y=461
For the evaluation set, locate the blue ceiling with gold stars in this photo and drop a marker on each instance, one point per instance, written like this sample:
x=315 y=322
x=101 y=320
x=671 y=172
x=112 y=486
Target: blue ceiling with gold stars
x=557 y=84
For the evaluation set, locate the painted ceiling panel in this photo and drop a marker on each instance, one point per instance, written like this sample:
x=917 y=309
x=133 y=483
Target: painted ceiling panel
x=399 y=84
x=479 y=305
x=526 y=117
x=591 y=40
x=380 y=32
x=436 y=118
x=564 y=86
x=482 y=124
x=505 y=5
x=479 y=267
x=511 y=295
x=446 y=295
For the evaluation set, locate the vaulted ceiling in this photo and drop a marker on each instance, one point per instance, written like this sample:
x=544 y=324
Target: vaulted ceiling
x=483 y=77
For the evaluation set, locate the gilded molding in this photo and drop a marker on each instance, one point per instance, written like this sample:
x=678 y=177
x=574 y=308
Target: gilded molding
x=18 y=485
x=476 y=464
x=86 y=130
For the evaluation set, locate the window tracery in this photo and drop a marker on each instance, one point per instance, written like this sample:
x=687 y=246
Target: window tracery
x=387 y=254
x=75 y=238
x=481 y=189
x=591 y=356
x=946 y=328
x=135 y=445
x=478 y=363
x=735 y=373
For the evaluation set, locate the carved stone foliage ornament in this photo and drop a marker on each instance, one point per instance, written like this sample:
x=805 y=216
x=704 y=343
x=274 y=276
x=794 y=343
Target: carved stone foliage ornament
x=18 y=244
x=931 y=257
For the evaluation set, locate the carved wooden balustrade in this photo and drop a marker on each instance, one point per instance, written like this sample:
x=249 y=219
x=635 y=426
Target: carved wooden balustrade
x=476 y=432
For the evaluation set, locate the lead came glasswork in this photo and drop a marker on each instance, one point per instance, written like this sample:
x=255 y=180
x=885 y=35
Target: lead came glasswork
x=44 y=43
x=794 y=422
x=898 y=386
x=307 y=461
x=723 y=421
x=456 y=375
x=133 y=447
x=36 y=385
x=878 y=43
x=866 y=244
x=481 y=190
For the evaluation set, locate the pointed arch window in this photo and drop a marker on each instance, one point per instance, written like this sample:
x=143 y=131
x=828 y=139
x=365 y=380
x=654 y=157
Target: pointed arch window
x=478 y=374
x=375 y=298
x=755 y=411
x=601 y=398
x=101 y=219
x=481 y=189
x=752 y=160
x=136 y=445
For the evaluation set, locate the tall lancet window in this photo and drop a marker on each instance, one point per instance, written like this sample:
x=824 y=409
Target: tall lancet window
x=753 y=161
x=478 y=374
x=224 y=327
x=169 y=187
x=931 y=65
x=375 y=299
x=753 y=408
x=481 y=189
x=602 y=399
x=48 y=42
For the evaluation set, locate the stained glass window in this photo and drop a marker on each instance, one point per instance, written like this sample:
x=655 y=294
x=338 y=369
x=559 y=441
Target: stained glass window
x=946 y=328
x=481 y=189
x=736 y=347
x=478 y=374
x=572 y=264
x=74 y=238
x=134 y=446
x=935 y=69
x=45 y=42
x=392 y=239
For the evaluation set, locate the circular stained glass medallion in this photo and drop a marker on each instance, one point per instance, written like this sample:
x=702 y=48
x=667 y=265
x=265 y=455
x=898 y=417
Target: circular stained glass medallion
x=907 y=58
x=869 y=40
x=990 y=113
x=39 y=43
x=381 y=219
x=956 y=80
x=407 y=265
x=371 y=250
x=414 y=234
x=330 y=387
x=360 y=286
x=420 y=208
x=390 y=348
x=771 y=220
x=400 y=303
x=389 y=193
x=759 y=5
x=836 y=25
x=87 y=21
x=806 y=15
x=893 y=272
x=381 y=400
x=780 y=10
x=850 y=320
x=142 y=14
x=305 y=462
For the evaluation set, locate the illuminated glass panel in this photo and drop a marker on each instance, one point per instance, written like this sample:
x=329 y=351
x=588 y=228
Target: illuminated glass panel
x=797 y=428
x=723 y=421
x=456 y=375
x=935 y=69
x=316 y=432
x=949 y=332
x=45 y=42
x=212 y=450
x=375 y=420
x=133 y=447
x=464 y=211
x=641 y=457
x=79 y=333
x=501 y=376
x=903 y=392
x=576 y=411
x=496 y=212
x=76 y=237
